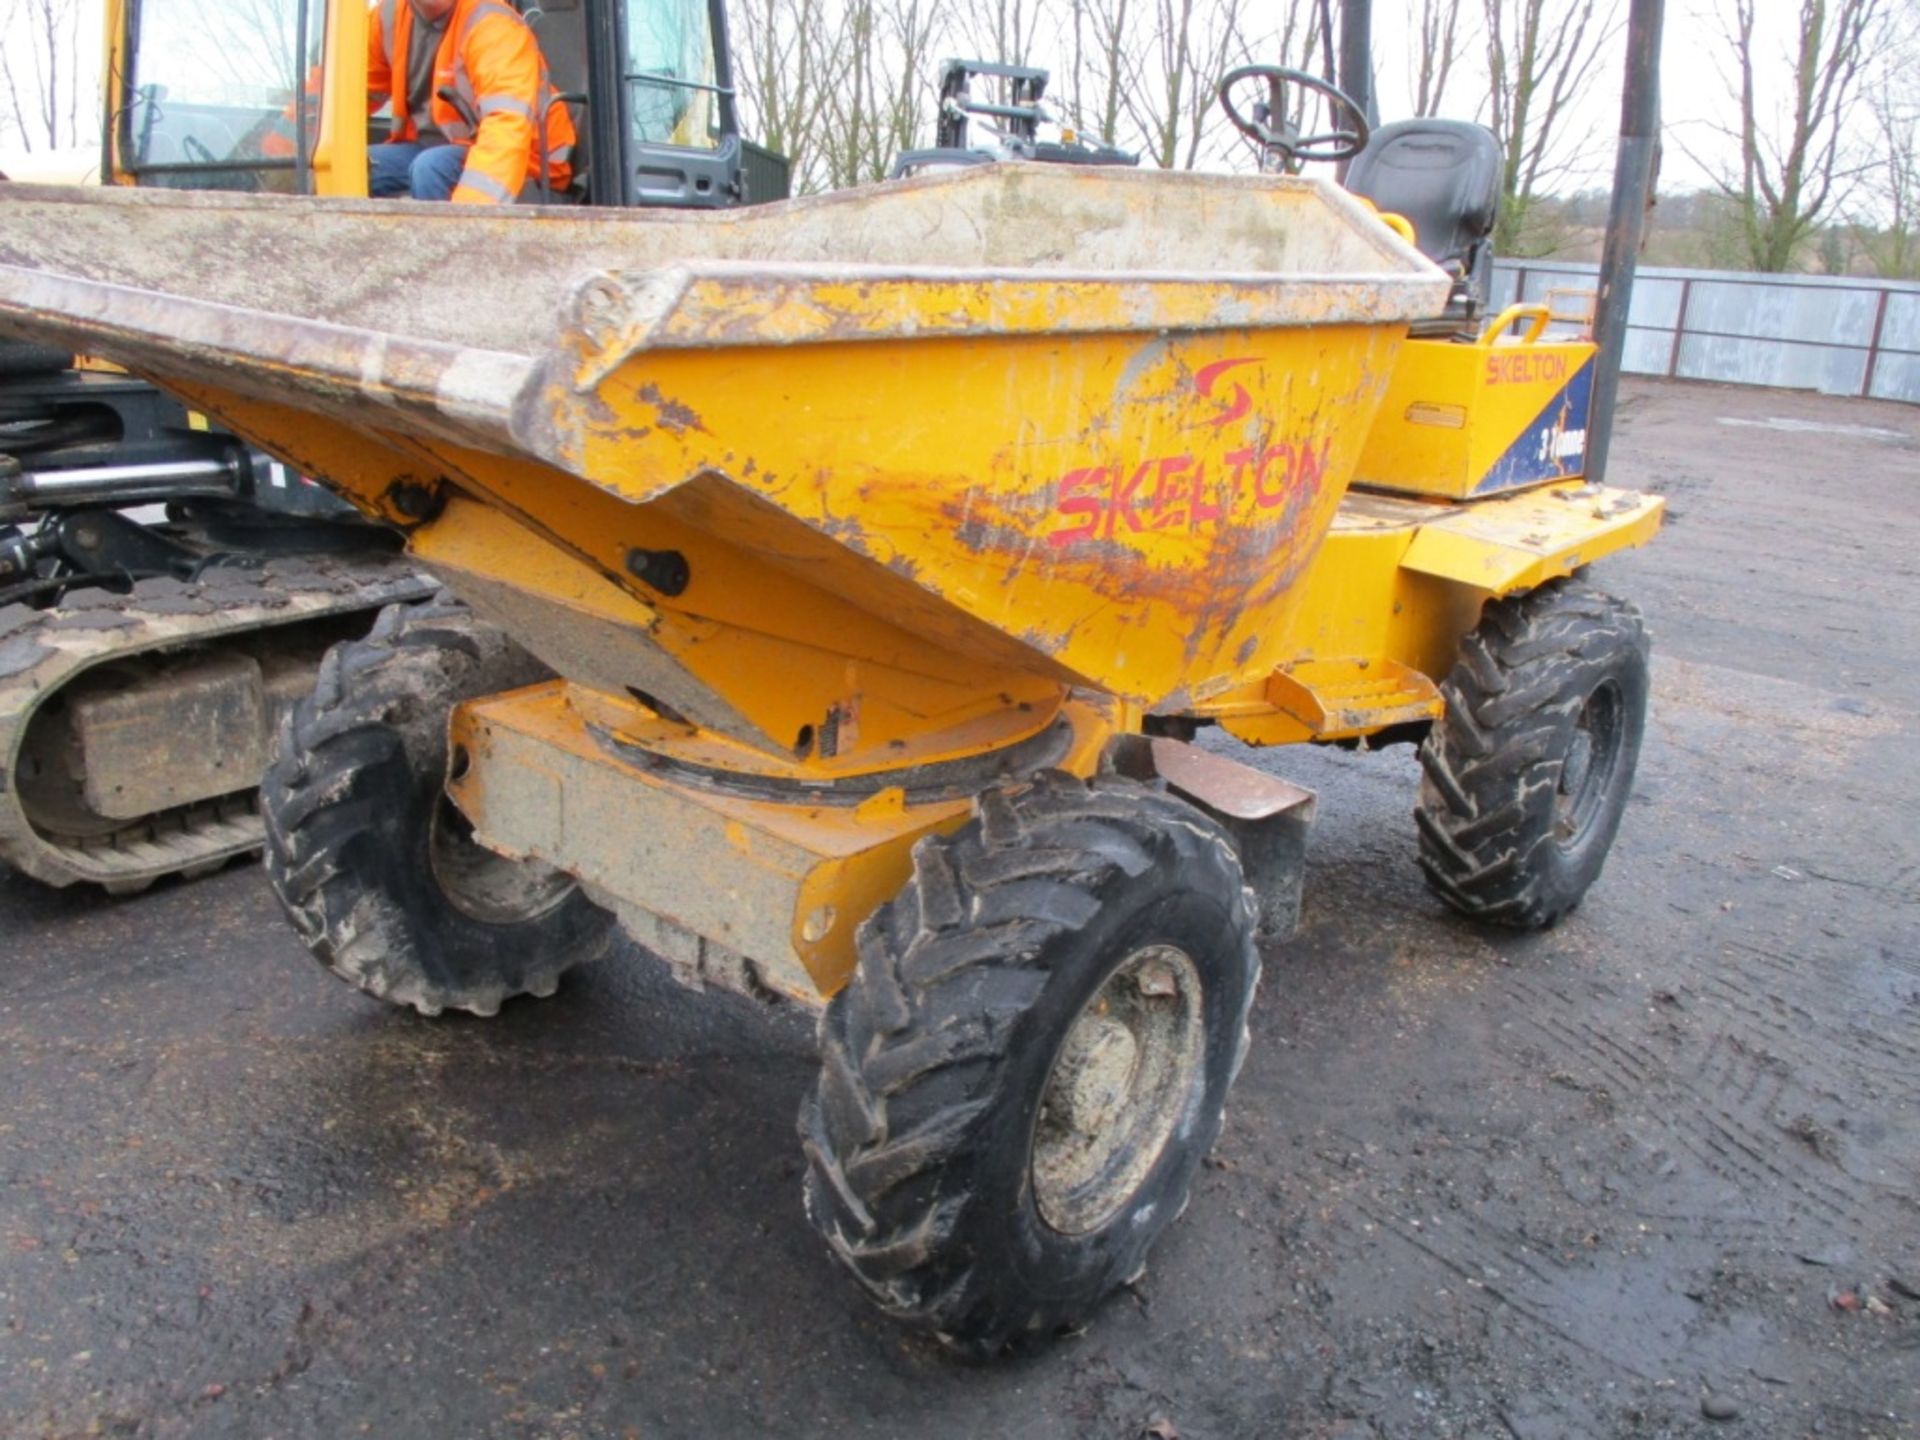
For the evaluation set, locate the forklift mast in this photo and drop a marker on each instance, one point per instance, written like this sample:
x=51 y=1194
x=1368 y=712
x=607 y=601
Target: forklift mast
x=1009 y=107
x=1018 y=115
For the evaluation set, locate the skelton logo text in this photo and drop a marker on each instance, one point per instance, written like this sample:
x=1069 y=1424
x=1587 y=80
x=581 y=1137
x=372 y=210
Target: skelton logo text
x=1181 y=492
x=1526 y=368
x=1185 y=492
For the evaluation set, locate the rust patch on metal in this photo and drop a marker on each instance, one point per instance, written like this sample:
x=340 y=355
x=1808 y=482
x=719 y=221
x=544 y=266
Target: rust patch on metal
x=675 y=418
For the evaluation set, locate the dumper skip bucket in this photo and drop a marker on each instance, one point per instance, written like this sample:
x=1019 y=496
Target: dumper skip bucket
x=1081 y=428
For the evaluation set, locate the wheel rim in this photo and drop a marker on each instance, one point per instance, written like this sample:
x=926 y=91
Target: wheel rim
x=1586 y=774
x=492 y=888
x=1120 y=1082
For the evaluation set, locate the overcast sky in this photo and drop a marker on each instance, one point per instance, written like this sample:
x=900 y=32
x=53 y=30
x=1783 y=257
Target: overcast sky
x=1693 y=93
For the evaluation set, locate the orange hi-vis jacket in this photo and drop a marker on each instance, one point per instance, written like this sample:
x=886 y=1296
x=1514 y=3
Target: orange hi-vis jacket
x=489 y=59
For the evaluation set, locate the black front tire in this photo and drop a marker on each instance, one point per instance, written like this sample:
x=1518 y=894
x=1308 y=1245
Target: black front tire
x=1526 y=777
x=373 y=864
x=942 y=1061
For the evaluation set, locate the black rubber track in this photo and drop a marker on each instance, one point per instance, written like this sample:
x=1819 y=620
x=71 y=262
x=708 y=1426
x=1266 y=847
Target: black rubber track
x=1492 y=767
x=935 y=1056
x=44 y=651
x=350 y=802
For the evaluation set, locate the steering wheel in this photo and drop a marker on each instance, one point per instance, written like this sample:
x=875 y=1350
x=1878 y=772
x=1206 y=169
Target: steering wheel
x=1269 y=128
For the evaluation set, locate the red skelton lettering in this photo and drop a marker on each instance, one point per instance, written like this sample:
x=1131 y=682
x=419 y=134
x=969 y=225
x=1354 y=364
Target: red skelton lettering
x=1124 y=491
x=1170 y=497
x=1080 y=495
x=1525 y=367
x=1179 y=492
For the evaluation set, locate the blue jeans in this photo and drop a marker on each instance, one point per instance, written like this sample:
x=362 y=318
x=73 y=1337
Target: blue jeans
x=405 y=167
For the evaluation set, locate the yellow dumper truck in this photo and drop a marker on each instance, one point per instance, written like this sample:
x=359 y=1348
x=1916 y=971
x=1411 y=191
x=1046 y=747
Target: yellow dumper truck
x=835 y=591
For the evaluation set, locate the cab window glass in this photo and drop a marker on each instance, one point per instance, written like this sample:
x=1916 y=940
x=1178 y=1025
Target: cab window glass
x=670 y=74
x=212 y=80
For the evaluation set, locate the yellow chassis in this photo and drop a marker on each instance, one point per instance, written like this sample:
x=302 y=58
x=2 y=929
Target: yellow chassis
x=759 y=882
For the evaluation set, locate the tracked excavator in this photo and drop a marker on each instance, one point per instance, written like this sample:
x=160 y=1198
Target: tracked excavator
x=166 y=589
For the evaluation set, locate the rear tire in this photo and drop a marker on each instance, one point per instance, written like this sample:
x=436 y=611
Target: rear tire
x=1526 y=776
x=377 y=870
x=1032 y=1059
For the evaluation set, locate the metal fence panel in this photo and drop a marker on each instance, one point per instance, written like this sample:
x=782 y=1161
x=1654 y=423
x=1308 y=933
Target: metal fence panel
x=1897 y=377
x=1745 y=360
x=1814 y=332
x=1901 y=331
x=1647 y=352
x=1656 y=302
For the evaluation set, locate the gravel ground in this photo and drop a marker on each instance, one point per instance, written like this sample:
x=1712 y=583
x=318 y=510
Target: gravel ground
x=1650 y=1174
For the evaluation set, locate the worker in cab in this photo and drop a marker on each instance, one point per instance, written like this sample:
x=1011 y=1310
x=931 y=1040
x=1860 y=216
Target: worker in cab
x=475 y=116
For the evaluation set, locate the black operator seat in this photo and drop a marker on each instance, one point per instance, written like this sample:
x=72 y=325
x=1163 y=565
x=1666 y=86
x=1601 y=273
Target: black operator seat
x=1444 y=177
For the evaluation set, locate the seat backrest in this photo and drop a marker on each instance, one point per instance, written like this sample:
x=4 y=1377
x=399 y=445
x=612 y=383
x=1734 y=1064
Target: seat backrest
x=1443 y=176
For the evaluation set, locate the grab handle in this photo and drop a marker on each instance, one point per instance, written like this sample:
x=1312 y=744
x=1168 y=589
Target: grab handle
x=1512 y=315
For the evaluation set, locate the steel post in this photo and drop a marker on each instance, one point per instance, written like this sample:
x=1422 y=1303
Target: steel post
x=1356 y=60
x=1632 y=189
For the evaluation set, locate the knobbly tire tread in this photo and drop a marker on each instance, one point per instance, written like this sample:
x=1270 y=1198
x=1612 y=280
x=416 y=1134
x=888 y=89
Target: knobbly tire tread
x=1491 y=765
x=920 y=1050
x=348 y=803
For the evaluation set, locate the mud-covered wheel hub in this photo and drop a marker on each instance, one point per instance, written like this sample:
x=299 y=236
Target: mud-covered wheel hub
x=1587 y=774
x=490 y=887
x=380 y=873
x=1120 y=1082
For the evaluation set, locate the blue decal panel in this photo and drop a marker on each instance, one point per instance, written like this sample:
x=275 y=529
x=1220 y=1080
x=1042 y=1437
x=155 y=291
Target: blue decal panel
x=1553 y=447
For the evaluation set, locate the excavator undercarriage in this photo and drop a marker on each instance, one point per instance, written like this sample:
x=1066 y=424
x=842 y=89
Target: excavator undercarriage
x=134 y=726
x=166 y=594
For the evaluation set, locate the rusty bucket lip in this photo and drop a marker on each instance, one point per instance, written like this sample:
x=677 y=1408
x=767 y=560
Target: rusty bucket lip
x=712 y=304
x=978 y=228
x=1009 y=175
x=690 y=306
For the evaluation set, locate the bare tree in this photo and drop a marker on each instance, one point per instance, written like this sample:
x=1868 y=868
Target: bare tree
x=784 y=71
x=1006 y=32
x=40 y=69
x=1890 y=235
x=1099 y=68
x=1437 y=41
x=1542 y=55
x=875 y=108
x=250 y=46
x=1192 y=42
x=1170 y=57
x=1791 y=177
x=842 y=86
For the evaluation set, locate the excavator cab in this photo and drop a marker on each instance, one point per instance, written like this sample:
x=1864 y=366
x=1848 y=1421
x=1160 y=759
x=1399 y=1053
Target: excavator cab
x=273 y=97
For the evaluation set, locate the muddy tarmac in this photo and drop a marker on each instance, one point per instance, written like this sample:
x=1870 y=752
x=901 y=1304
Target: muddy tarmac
x=1652 y=1173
